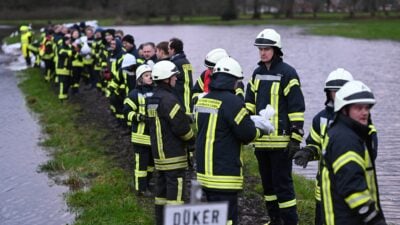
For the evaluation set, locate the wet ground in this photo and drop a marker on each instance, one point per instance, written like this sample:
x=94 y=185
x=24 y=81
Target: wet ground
x=26 y=196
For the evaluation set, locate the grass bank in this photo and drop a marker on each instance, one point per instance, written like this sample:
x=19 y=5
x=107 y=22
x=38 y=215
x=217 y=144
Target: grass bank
x=100 y=187
x=101 y=192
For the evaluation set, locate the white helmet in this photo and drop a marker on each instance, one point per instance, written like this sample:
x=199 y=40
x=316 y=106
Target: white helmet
x=229 y=66
x=353 y=92
x=141 y=70
x=337 y=78
x=128 y=61
x=163 y=70
x=213 y=56
x=268 y=37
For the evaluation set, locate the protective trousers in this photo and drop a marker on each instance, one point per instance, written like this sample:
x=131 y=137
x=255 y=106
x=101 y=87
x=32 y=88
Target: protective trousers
x=64 y=84
x=230 y=197
x=276 y=175
x=144 y=167
x=169 y=190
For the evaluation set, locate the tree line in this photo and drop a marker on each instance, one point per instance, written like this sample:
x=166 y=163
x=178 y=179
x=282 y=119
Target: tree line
x=225 y=9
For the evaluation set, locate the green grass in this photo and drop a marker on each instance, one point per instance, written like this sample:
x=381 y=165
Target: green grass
x=304 y=188
x=102 y=189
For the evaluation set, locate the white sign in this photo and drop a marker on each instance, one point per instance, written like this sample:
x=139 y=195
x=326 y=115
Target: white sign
x=196 y=214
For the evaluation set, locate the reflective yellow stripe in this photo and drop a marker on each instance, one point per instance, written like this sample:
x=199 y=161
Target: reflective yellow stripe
x=140 y=139
x=160 y=201
x=327 y=198
x=179 y=197
x=171 y=166
x=275 y=105
x=296 y=116
x=239 y=91
x=171 y=160
x=188 y=135
x=315 y=136
x=229 y=222
x=174 y=110
x=200 y=83
x=251 y=107
x=296 y=136
x=221 y=182
x=356 y=199
x=187 y=70
x=345 y=159
x=270 y=198
x=292 y=83
x=372 y=129
x=159 y=138
x=287 y=204
x=65 y=72
x=239 y=117
x=209 y=146
x=317 y=191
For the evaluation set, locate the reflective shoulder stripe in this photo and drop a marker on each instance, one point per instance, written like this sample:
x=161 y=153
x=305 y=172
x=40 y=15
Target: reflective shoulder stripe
x=344 y=159
x=292 y=83
x=372 y=129
x=268 y=77
x=239 y=117
x=174 y=110
x=239 y=91
x=129 y=102
x=357 y=199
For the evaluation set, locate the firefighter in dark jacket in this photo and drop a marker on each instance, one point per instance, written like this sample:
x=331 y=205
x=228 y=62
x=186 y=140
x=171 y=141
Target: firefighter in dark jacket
x=135 y=111
x=348 y=178
x=183 y=88
x=201 y=86
x=223 y=125
x=320 y=124
x=277 y=83
x=170 y=132
x=64 y=67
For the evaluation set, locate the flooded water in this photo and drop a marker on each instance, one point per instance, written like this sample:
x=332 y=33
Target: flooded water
x=26 y=196
x=374 y=62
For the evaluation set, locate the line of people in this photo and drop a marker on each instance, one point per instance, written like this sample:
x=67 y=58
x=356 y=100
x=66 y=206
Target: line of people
x=151 y=92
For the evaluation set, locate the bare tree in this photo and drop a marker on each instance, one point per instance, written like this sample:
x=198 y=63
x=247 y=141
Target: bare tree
x=256 y=10
x=286 y=7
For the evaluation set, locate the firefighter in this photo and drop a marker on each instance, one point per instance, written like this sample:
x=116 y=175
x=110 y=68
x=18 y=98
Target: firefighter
x=183 y=88
x=162 y=51
x=349 y=186
x=312 y=151
x=77 y=61
x=26 y=39
x=64 y=67
x=135 y=111
x=276 y=83
x=47 y=55
x=170 y=132
x=223 y=125
x=201 y=86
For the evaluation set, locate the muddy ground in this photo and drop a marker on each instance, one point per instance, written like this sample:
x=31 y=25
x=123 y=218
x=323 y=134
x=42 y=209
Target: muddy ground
x=95 y=110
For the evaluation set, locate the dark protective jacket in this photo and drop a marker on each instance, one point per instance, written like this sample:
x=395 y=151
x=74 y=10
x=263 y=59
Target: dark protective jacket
x=202 y=86
x=64 y=60
x=348 y=172
x=278 y=86
x=223 y=125
x=184 y=83
x=135 y=112
x=170 y=129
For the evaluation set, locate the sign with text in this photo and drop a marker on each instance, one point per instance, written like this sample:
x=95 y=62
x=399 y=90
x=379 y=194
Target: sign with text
x=196 y=214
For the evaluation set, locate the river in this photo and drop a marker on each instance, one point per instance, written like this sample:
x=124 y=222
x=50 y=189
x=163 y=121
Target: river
x=26 y=195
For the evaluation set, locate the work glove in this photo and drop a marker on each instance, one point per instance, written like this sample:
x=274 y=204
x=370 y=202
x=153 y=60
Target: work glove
x=292 y=147
x=303 y=156
x=263 y=124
